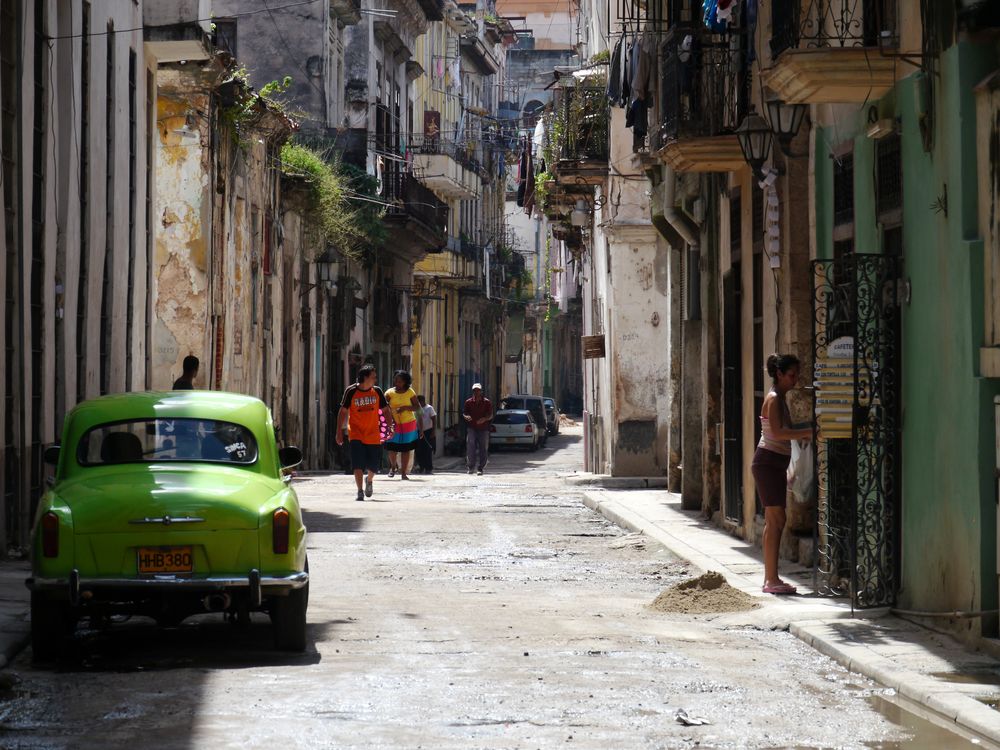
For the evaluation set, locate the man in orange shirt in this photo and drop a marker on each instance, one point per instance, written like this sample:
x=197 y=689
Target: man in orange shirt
x=360 y=409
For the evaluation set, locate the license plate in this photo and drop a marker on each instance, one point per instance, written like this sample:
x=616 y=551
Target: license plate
x=511 y=440
x=165 y=560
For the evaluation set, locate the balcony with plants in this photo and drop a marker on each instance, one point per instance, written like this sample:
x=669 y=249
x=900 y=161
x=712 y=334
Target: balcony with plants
x=577 y=130
x=833 y=51
x=703 y=96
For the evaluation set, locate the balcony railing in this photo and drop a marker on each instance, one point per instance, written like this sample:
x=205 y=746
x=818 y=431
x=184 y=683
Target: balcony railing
x=409 y=199
x=466 y=155
x=704 y=85
x=832 y=23
x=581 y=122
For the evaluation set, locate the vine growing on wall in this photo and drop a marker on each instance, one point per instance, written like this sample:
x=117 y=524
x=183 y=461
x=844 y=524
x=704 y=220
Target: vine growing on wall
x=242 y=108
x=352 y=227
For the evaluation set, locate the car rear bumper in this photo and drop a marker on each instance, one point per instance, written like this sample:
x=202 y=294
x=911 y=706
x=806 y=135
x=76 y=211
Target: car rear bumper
x=257 y=584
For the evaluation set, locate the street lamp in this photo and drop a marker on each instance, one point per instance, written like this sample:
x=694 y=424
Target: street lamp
x=755 y=137
x=786 y=119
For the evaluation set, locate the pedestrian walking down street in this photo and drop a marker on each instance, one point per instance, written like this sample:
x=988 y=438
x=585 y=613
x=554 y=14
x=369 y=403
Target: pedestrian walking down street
x=186 y=381
x=770 y=462
x=427 y=419
x=478 y=413
x=405 y=408
x=359 y=413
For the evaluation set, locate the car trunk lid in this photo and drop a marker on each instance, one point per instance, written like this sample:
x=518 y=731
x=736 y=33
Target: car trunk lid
x=202 y=497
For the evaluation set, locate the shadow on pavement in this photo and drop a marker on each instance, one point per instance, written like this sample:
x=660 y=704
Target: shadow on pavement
x=318 y=522
x=200 y=643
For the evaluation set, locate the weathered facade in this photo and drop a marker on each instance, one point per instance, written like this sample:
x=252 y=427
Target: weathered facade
x=854 y=230
x=75 y=228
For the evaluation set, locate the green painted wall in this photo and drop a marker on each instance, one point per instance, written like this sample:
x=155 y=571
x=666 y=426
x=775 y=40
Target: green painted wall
x=949 y=508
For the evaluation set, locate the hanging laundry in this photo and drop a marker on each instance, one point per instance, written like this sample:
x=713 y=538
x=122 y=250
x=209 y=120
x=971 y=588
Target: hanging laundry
x=724 y=10
x=522 y=172
x=529 y=189
x=751 y=25
x=614 y=90
x=711 y=16
x=538 y=138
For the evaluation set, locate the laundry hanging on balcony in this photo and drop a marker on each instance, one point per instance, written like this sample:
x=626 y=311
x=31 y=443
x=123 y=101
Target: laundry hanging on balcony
x=718 y=13
x=640 y=63
x=618 y=76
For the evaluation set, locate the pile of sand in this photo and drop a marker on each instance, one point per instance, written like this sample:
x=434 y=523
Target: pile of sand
x=706 y=594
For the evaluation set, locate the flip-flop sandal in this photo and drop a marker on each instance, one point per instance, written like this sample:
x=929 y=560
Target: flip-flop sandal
x=779 y=588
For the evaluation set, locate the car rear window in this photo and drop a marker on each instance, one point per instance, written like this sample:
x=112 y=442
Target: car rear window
x=159 y=440
x=502 y=418
x=513 y=403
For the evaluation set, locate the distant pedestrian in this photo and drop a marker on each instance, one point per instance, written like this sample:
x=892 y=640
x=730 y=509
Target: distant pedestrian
x=770 y=462
x=186 y=381
x=359 y=413
x=405 y=407
x=427 y=418
x=478 y=413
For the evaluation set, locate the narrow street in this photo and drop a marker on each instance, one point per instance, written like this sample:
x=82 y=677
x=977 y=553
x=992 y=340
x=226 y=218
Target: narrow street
x=455 y=611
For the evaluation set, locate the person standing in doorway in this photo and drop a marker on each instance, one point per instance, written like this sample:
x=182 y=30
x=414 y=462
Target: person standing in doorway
x=359 y=414
x=770 y=463
x=186 y=381
x=405 y=408
x=478 y=413
x=425 y=444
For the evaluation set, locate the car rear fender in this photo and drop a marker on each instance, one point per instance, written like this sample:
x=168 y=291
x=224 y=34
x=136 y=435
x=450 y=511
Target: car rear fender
x=295 y=559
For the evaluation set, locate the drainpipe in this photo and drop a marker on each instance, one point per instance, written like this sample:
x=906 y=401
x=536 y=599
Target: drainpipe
x=688 y=229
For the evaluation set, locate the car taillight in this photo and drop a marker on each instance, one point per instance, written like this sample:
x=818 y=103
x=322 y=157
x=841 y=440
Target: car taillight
x=527 y=428
x=279 y=526
x=50 y=535
x=493 y=428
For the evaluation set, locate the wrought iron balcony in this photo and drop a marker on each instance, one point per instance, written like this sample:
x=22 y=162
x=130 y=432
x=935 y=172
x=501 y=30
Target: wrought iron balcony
x=579 y=124
x=831 y=50
x=704 y=94
x=416 y=217
x=446 y=167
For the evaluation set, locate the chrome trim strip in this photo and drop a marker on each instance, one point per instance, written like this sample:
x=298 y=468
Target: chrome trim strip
x=167 y=520
x=293 y=581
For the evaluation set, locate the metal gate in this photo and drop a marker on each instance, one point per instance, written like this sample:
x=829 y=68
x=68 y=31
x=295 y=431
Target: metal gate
x=856 y=342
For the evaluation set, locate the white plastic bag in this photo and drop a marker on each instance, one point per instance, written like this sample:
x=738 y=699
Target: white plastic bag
x=801 y=473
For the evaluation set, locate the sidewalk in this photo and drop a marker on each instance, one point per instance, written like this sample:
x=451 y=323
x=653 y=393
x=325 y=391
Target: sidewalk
x=928 y=668
x=15 y=629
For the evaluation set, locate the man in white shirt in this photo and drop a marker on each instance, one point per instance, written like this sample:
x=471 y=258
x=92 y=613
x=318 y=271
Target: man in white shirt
x=425 y=445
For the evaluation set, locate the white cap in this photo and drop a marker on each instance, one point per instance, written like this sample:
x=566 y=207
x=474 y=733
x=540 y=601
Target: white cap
x=477 y=386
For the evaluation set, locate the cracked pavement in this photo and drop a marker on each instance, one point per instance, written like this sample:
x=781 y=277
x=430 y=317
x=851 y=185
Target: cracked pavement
x=455 y=611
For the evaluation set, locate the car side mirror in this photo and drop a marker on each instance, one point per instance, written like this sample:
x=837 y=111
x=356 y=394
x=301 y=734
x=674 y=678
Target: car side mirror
x=289 y=457
x=51 y=455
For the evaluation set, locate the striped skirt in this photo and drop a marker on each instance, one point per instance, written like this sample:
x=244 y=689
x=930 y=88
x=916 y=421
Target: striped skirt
x=405 y=438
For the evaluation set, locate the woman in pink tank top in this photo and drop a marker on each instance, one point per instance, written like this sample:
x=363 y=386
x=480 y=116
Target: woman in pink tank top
x=770 y=463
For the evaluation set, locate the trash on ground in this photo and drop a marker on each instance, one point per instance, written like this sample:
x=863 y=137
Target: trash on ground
x=682 y=717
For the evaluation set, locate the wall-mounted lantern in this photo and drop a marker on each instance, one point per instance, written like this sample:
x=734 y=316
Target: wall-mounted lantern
x=755 y=137
x=786 y=119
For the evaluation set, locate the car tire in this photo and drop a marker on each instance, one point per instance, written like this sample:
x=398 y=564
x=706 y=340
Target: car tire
x=288 y=619
x=534 y=446
x=51 y=627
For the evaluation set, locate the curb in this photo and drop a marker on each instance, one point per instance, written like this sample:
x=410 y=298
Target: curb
x=609 y=482
x=939 y=699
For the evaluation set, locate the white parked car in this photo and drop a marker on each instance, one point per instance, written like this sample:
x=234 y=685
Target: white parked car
x=516 y=427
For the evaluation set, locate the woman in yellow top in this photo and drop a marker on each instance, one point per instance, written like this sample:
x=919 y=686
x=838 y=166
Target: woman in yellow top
x=405 y=407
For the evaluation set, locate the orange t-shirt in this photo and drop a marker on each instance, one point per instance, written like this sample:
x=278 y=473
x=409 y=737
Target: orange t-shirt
x=363 y=413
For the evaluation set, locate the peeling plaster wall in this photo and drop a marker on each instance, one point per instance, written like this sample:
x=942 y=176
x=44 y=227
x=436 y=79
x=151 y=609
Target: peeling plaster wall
x=182 y=215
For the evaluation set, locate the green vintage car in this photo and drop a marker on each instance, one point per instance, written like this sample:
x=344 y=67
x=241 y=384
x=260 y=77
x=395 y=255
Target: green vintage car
x=168 y=505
